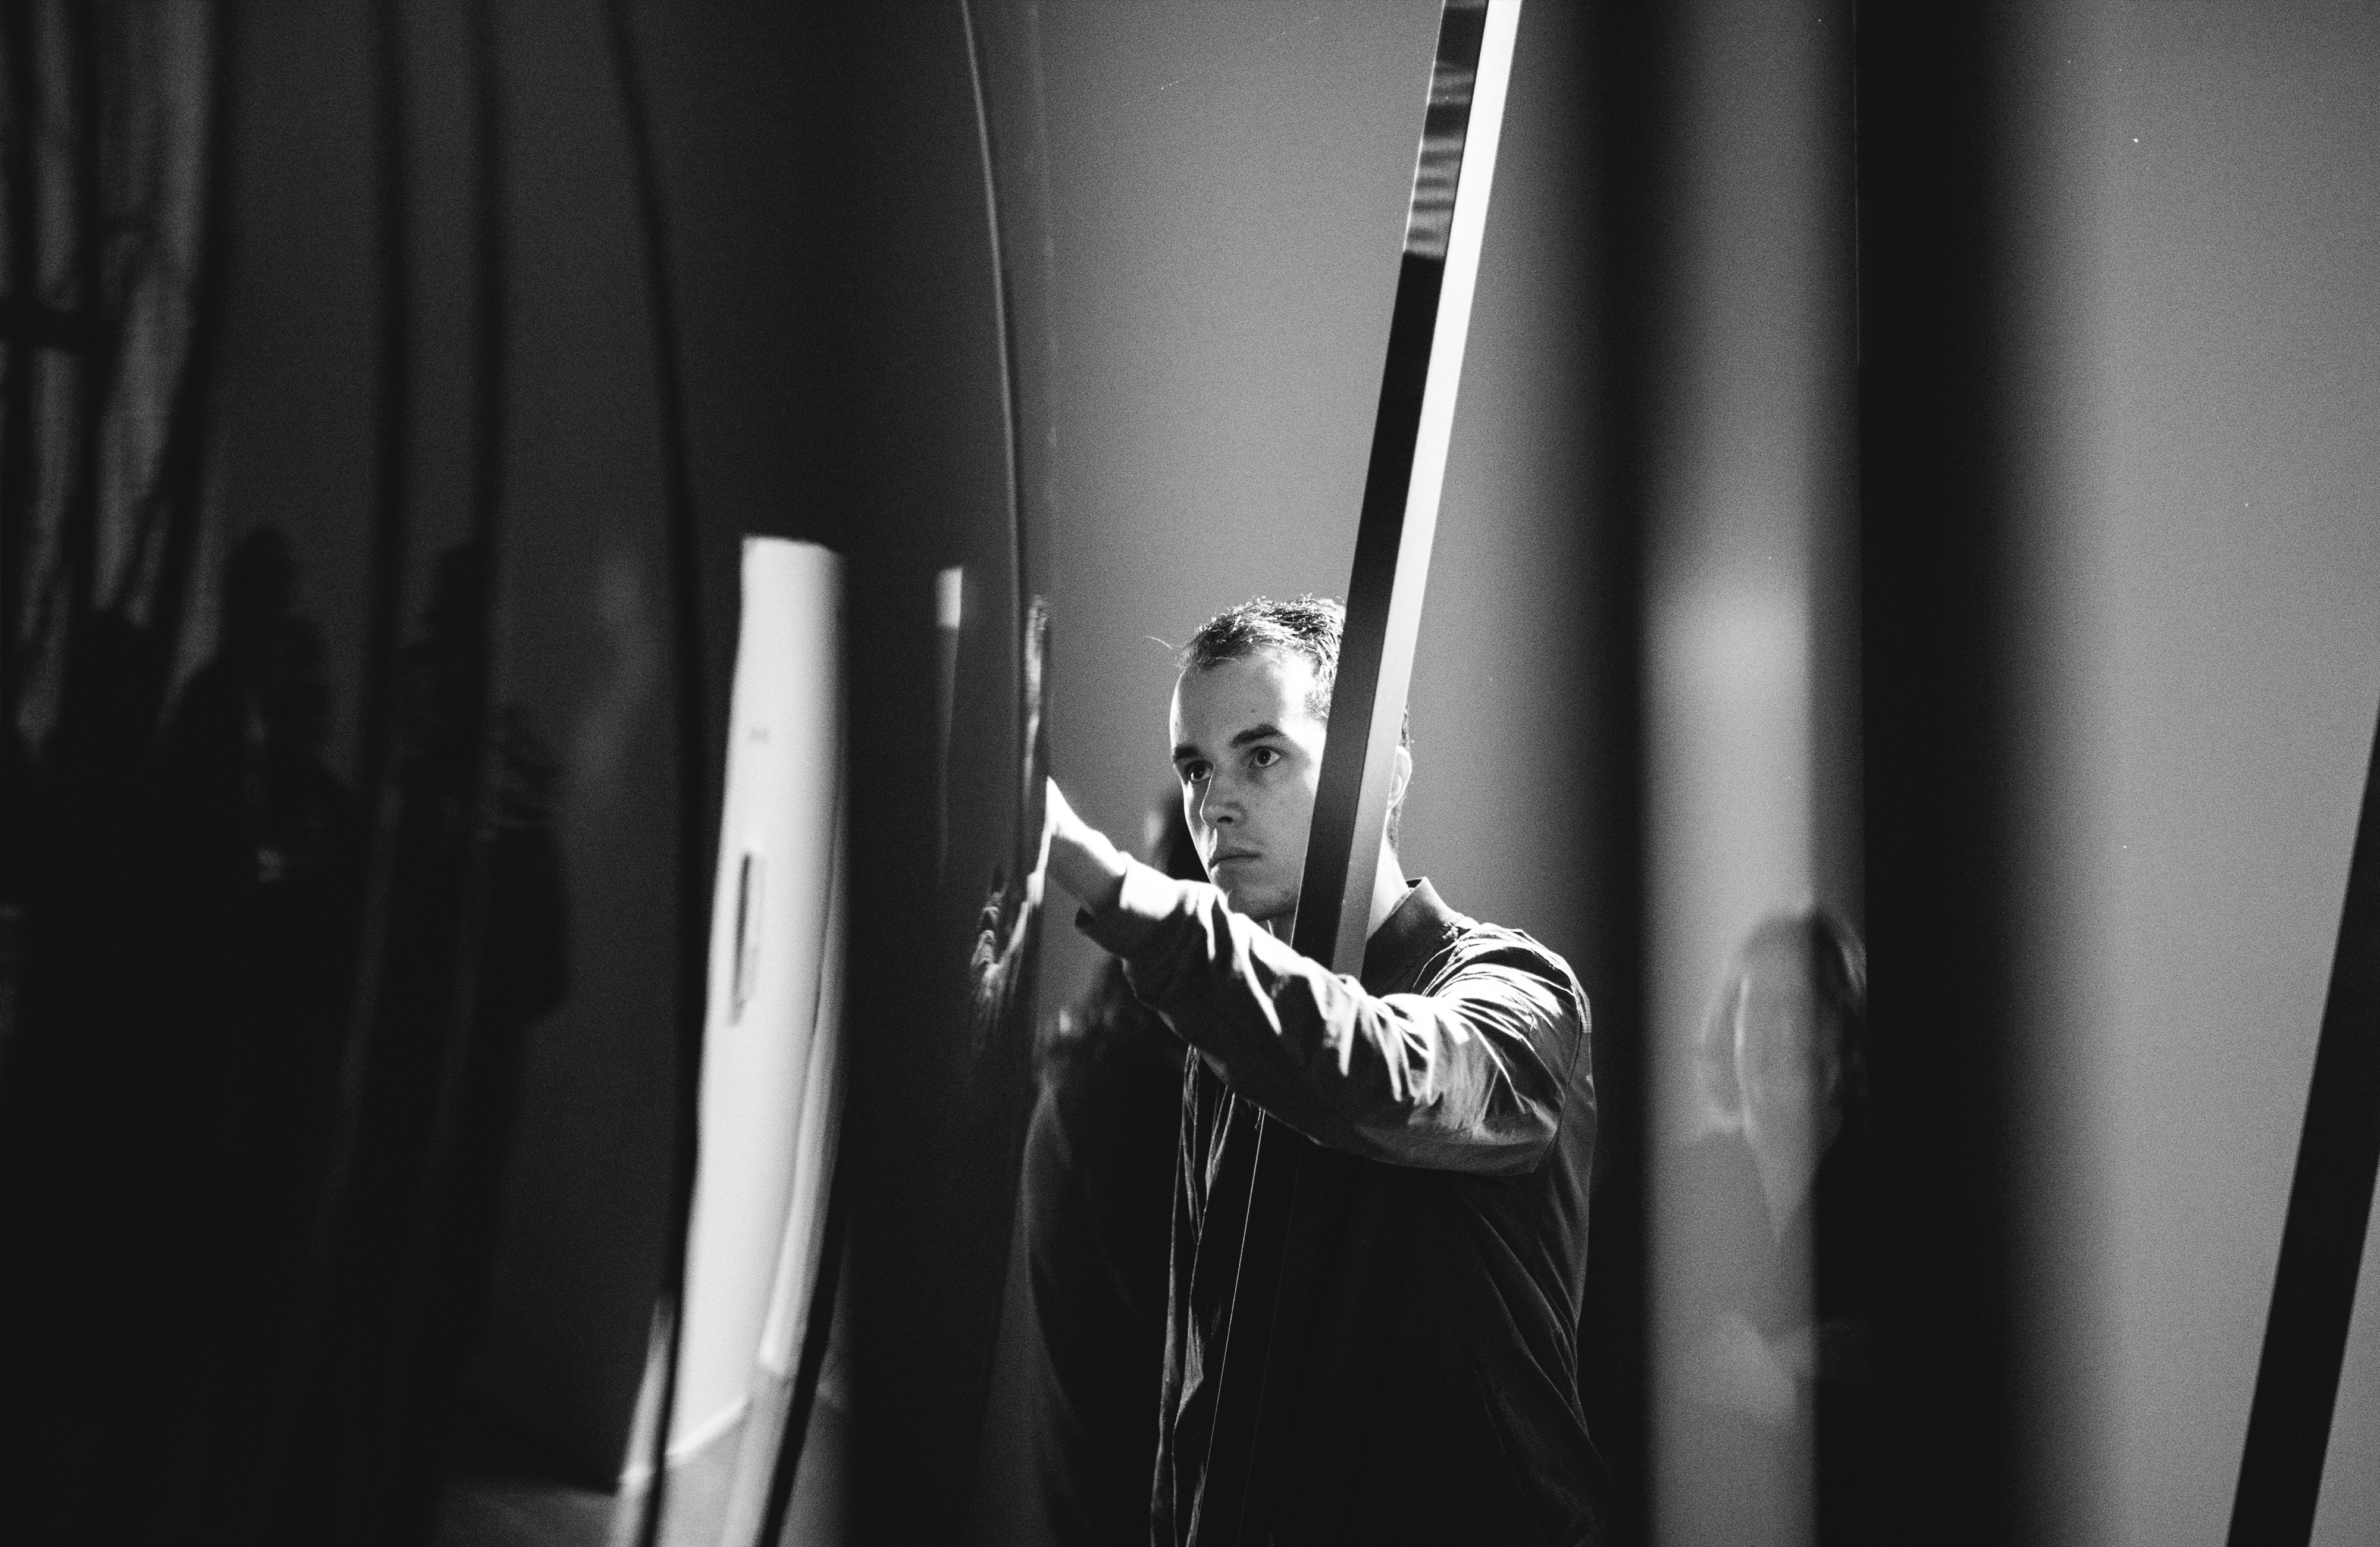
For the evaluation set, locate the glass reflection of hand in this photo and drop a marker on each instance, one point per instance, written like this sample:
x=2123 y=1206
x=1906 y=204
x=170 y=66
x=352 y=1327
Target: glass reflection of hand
x=999 y=964
x=987 y=948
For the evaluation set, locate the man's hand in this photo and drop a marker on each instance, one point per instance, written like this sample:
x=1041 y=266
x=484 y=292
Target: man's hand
x=1078 y=856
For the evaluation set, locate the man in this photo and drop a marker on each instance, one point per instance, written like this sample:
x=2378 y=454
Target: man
x=1451 y=1097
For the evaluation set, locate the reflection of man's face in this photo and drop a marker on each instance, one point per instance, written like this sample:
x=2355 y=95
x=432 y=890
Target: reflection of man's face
x=1248 y=751
x=1786 y=1064
x=1776 y=1052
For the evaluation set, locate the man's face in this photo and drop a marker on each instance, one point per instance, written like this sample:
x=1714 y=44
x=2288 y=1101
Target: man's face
x=1785 y=1061
x=1248 y=751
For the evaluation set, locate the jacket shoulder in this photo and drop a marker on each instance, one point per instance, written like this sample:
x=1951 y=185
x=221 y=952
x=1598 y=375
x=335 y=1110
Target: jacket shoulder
x=1473 y=943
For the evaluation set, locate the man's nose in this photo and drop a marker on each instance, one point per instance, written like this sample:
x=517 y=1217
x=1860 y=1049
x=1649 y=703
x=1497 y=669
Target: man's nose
x=1218 y=807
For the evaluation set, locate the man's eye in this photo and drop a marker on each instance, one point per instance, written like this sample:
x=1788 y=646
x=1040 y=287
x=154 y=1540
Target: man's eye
x=1193 y=771
x=1265 y=757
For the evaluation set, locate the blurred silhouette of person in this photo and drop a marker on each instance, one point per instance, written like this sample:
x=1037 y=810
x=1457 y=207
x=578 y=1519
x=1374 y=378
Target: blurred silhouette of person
x=471 y=951
x=259 y=840
x=485 y=991
x=205 y=899
x=194 y=911
x=1779 y=1143
x=1098 y=1174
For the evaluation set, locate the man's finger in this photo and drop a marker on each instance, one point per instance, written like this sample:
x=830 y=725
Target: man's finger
x=1055 y=810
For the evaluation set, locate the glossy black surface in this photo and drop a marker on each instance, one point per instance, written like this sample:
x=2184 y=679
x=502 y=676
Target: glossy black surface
x=351 y=809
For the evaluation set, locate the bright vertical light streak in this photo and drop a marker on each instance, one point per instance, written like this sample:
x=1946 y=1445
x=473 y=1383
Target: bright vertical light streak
x=1465 y=233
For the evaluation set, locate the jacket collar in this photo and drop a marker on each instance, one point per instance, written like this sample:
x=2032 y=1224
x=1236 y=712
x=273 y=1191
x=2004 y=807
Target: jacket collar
x=1409 y=937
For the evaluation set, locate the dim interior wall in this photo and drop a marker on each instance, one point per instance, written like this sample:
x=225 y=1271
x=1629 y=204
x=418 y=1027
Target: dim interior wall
x=293 y=412
x=2241 y=518
x=1228 y=191
x=2190 y=665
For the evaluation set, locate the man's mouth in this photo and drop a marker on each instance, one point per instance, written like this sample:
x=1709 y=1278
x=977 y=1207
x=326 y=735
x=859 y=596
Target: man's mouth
x=1227 y=856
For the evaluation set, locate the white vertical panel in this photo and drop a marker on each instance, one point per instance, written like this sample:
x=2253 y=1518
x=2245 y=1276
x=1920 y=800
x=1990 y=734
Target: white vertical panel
x=772 y=932
x=802 y=1239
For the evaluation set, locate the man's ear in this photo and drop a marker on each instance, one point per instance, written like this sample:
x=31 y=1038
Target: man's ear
x=1399 y=777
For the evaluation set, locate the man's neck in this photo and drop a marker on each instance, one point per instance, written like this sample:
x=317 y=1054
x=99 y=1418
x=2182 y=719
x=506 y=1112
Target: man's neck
x=1388 y=889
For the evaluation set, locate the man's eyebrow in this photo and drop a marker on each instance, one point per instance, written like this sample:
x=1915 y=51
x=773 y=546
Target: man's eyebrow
x=1254 y=733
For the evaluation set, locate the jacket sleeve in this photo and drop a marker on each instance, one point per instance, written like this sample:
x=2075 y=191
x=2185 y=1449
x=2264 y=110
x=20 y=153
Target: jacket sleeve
x=1467 y=1077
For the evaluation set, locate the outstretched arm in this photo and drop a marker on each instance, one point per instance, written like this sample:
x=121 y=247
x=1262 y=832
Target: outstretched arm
x=1470 y=1078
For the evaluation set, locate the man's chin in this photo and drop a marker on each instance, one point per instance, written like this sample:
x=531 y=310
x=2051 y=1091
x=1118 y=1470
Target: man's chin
x=1264 y=905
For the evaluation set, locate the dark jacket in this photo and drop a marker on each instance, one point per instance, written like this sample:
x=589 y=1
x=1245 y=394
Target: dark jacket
x=1452 y=1099
x=1094 y=1213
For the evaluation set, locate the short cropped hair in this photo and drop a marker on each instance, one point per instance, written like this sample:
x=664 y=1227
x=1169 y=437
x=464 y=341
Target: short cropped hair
x=1309 y=625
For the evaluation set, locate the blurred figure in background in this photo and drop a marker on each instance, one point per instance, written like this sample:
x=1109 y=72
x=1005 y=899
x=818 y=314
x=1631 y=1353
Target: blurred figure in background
x=1098 y=1203
x=1779 y=1134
